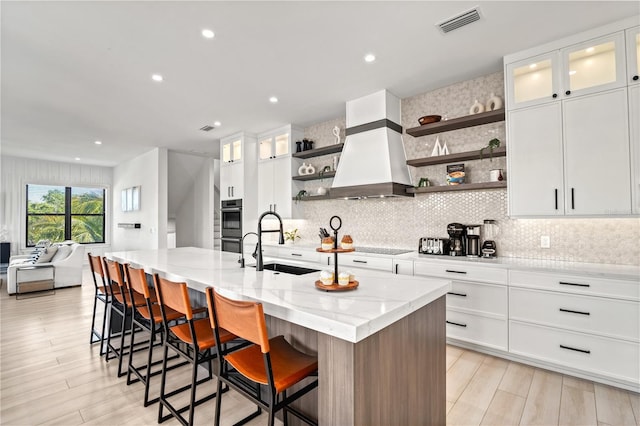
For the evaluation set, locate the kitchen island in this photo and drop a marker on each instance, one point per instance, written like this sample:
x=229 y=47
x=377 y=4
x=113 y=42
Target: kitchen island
x=381 y=348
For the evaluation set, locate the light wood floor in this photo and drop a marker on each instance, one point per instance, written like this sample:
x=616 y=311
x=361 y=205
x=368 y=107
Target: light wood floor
x=49 y=374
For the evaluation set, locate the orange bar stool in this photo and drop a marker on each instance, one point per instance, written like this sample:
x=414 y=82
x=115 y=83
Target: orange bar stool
x=271 y=362
x=101 y=295
x=122 y=306
x=148 y=318
x=193 y=340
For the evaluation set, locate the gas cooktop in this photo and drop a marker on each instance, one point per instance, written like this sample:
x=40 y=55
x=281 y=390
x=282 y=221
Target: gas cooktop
x=378 y=250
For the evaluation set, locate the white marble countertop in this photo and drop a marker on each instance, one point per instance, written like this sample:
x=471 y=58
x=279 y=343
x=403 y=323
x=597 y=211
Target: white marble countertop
x=381 y=298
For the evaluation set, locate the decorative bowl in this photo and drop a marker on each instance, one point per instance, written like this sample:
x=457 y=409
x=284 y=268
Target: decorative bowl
x=427 y=119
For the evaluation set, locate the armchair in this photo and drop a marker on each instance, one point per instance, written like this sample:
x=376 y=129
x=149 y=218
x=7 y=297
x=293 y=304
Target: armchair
x=67 y=264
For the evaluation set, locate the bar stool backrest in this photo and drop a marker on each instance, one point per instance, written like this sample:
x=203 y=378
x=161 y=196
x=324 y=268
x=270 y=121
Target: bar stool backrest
x=137 y=280
x=95 y=263
x=244 y=319
x=114 y=275
x=174 y=295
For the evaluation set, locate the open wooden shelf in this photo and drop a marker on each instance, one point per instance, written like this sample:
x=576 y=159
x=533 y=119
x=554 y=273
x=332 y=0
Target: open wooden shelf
x=460 y=156
x=463 y=187
x=458 y=123
x=316 y=176
x=325 y=150
x=314 y=197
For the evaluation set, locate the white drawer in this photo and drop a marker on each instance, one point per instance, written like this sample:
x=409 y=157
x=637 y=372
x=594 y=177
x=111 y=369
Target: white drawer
x=368 y=262
x=576 y=284
x=487 y=298
x=476 y=329
x=610 y=317
x=297 y=254
x=599 y=355
x=462 y=272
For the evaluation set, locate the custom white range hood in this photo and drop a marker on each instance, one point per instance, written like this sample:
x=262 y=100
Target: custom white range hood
x=373 y=161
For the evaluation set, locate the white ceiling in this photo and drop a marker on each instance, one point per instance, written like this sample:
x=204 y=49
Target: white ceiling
x=76 y=72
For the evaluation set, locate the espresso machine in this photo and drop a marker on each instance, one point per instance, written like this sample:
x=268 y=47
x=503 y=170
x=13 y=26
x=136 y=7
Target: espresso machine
x=473 y=240
x=457 y=239
x=491 y=230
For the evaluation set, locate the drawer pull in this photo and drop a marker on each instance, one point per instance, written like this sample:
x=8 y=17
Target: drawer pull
x=573 y=284
x=457 y=294
x=455 y=272
x=296 y=254
x=584 y=351
x=570 y=311
x=359 y=261
x=456 y=323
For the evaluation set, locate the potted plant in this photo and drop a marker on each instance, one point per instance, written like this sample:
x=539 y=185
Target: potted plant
x=290 y=237
x=493 y=144
x=301 y=194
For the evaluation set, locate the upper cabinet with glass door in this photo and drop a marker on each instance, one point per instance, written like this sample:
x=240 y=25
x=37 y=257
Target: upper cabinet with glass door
x=231 y=149
x=633 y=55
x=277 y=143
x=533 y=81
x=594 y=66
x=580 y=69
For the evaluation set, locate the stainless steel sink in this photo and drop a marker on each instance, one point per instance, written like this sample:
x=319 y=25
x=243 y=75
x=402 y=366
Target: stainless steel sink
x=288 y=269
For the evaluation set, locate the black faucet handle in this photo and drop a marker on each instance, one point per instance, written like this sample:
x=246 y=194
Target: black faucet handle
x=255 y=252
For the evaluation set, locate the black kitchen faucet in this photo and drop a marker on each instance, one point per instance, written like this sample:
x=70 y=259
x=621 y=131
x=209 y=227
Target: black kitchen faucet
x=259 y=261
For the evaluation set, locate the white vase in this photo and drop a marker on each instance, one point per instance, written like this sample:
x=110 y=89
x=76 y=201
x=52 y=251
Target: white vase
x=476 y=108
x=494 y=103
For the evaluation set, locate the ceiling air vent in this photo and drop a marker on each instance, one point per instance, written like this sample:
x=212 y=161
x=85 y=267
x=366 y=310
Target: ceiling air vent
x=207 y=128
x=460 y=20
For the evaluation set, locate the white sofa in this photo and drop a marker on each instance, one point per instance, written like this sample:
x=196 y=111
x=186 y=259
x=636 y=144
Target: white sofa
x=67 y=263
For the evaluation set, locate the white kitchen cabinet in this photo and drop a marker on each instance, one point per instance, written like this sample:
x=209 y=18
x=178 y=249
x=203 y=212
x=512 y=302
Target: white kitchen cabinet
x=569 y=153
x=633 y=55
x=347 y=260
x=596 y=154
x=402 y=267
x=634 y=139
x=584 y=323
x=476 y=303
x=238 y=174
x=288 y=252
x=276 y=166
x=533 y=81
x=536 y=185
x=594 y=65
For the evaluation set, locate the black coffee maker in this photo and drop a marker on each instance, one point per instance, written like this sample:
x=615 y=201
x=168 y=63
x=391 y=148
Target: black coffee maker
x=457 y=239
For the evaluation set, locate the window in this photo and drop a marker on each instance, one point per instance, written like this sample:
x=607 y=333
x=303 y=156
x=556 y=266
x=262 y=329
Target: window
x=59 y=213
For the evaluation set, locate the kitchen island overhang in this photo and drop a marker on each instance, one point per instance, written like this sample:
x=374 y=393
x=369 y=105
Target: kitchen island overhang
x=381 y=348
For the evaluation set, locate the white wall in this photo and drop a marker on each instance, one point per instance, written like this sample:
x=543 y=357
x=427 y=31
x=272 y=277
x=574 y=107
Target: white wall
x=149 y=171
x=17 y=172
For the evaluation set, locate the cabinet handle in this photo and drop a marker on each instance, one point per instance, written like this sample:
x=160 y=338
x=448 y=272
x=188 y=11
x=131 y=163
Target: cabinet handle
x=635 y=78
x=556 y=197
x=584 y=351
x=455 y=272
x=453 y=293
x=573 y=204
x=457 y=323
x=555 y=95
x=328 y=261
x=359 y=261
x=571 y=311
x=274 y=207
x=396 y=268
x=568 y=92
x=573 y=284
x=296 y=254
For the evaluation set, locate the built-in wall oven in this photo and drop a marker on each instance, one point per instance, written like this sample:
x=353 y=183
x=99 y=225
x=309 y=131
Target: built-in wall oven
x=231 y=225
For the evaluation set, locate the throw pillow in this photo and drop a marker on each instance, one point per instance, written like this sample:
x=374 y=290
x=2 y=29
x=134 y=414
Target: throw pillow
x=62 y=253
x=47 y=254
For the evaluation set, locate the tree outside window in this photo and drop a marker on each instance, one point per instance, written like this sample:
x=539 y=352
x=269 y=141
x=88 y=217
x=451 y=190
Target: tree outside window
x=59 y=213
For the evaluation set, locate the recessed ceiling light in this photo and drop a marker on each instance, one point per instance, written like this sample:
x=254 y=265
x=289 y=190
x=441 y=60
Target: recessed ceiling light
x=98 y=142
x=572 y=72
x=156 y=77
x=273 y=100
x=590 y=49
x=77 y=158
x=370 y=57
x=217 y=123
x=532 y=66
x=207 y=34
